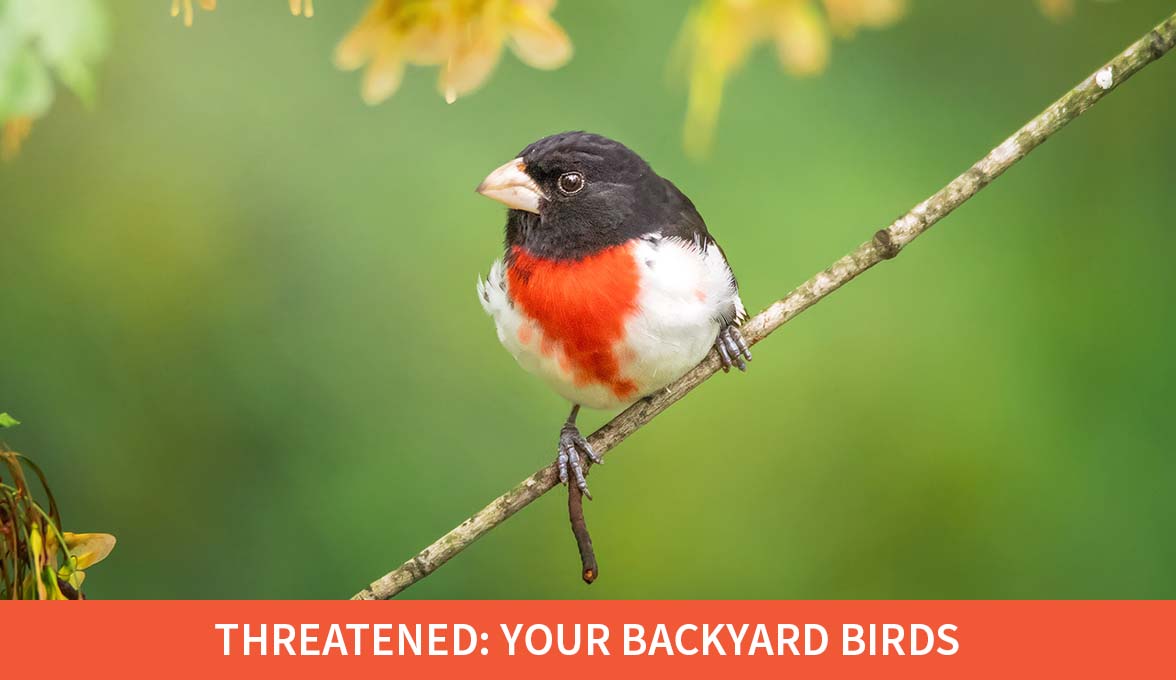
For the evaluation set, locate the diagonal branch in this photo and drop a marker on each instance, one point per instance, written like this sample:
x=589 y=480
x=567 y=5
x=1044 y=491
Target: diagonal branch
x=885 y=244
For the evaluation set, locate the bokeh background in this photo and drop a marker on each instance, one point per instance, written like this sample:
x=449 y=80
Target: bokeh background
x=239 y=322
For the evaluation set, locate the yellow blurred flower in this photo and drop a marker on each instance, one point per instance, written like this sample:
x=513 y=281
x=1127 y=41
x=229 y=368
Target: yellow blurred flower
x=82 y=551
x=16 y=130
x=847 y=16
x=297 y=8
x=186 y=6
x=1057 y=9
x=720 y=34
x=85 y=550
x=464 y=37
x=302 y=8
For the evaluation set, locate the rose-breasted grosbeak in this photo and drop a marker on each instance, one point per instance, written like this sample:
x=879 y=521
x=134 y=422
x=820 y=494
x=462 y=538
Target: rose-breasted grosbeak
x=611 y=287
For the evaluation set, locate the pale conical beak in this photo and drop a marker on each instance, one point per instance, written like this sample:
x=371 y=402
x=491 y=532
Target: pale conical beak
x=513 y=187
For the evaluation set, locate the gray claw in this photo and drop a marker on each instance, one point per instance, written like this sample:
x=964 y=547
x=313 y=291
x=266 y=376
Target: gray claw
x=741 y=343
x=724 y=355
x=592 y=454
x=732 y=349
x=570 y=463
x=561 y=464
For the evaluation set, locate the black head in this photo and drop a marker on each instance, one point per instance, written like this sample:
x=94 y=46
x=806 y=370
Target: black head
x=575 y=193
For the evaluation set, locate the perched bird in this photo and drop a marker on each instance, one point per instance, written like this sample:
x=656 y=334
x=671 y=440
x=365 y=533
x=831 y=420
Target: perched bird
x=611 y=287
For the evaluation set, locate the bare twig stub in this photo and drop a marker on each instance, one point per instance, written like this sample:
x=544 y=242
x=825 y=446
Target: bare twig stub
x=885 y=244
x=588 y=568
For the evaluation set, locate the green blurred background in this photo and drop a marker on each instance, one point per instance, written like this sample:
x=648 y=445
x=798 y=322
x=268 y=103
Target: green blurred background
x=239 y=320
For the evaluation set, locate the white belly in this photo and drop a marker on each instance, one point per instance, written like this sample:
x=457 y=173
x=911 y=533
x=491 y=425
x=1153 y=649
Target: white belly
x=685 y=293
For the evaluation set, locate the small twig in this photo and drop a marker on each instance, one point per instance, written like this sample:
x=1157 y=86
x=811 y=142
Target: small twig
x=885 y=244
x=589 y=569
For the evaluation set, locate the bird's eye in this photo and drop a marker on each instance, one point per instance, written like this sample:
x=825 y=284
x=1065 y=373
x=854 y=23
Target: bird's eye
x=571 y=183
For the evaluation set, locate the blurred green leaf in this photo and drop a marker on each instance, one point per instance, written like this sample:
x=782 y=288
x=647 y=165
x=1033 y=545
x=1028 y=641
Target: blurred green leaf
x=72 y=37
x=25 y=86
x=37 y=37
x=8 y=421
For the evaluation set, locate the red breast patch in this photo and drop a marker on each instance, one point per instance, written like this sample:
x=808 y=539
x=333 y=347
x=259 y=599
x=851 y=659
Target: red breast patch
x=582 y=305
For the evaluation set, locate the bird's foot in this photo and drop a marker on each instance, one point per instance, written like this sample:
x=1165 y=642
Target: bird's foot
x=732 y=349
x=573 y=449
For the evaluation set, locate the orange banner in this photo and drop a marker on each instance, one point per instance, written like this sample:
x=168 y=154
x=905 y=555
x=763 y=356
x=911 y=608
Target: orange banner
x=588 y=639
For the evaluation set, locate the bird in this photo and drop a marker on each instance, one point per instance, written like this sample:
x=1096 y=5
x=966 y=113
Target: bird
x=610 y=287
